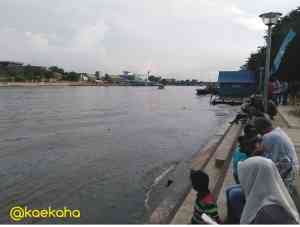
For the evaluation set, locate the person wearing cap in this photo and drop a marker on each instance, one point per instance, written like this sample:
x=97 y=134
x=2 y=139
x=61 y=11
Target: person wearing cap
x=248 y=147
x=249 y=143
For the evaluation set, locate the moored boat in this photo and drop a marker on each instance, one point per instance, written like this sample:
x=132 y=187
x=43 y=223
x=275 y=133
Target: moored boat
x=203 y=90
x=161 y=86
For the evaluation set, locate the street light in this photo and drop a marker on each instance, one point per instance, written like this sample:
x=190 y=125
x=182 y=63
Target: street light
x=269 y=19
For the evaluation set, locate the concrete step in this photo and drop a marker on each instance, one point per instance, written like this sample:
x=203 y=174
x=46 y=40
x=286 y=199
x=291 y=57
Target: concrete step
x=222 y=153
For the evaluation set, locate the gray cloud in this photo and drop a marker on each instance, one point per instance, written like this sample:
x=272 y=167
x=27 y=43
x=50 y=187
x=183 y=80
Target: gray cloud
x=190 y=38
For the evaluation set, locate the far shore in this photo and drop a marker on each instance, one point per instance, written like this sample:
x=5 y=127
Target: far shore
x=37 y=84
x=66 y=83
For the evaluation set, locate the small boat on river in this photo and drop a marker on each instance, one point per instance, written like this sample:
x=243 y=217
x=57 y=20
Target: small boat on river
x=161 y=86
x=204 y=90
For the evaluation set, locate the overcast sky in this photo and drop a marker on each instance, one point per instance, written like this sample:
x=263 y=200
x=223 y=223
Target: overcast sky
x=176 y=38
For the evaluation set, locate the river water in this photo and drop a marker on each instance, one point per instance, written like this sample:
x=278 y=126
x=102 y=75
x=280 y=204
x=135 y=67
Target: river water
x=97 y=149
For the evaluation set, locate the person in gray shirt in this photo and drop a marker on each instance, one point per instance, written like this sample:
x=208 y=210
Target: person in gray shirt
x=277 y=146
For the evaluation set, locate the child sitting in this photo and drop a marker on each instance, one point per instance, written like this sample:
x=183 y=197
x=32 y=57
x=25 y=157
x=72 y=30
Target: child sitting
x=205 y=202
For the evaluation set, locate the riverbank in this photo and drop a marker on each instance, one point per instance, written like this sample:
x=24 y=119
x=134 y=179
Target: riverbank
x=45 y=84
x=81 y=83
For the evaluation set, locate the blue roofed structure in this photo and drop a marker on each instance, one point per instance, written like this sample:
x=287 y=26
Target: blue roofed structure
x=236 y=83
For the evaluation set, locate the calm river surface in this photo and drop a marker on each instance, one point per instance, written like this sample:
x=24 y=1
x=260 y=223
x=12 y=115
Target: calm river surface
x=96 y=149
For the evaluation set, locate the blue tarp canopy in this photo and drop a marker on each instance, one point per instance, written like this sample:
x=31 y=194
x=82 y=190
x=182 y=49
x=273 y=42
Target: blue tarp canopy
x=236 y=84
x=236 y=77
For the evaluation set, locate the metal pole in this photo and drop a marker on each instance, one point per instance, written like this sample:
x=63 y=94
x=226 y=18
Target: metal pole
x=267 y=69
x=260 y=85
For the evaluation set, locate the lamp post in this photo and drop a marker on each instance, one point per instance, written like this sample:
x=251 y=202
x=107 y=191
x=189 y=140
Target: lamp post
x=268 y=19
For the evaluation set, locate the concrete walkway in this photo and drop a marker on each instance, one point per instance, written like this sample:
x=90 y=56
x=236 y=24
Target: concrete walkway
x=292 y=128
x=291 y=120
x=293 y=125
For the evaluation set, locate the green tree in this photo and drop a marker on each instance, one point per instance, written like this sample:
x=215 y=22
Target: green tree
x=56 y=69
x=20 y=77
x=48 y=75
x=107 y=78
x=289 y=68
x=72 y=76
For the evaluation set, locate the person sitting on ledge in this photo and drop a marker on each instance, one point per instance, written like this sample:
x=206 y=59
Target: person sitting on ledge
x=277 y=146
x=248 y=144
x=240 y=154
x=205 y=203
x=267 y=199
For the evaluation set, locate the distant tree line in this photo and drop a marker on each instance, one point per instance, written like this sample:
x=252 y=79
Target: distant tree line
x=16 y=72
x=289 y=69
x=155 y=79
x=29 y=73
x=174 y=81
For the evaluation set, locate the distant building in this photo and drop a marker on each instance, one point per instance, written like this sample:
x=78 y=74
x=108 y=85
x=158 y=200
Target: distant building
x=170 y=81
x=10 y=64
x=99 y=75
x=57 y=76
x=126 y=75
x=116 y=78
x=37 y=68
x=88 y=77
x=139 y=77
x=84 y=77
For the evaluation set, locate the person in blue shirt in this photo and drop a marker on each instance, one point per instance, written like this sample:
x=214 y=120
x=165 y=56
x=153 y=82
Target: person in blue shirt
x=248 y=143
x=240 y=154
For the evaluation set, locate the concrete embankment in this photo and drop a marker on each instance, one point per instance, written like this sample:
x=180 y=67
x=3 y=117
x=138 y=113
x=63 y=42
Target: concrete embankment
x=214 y=158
